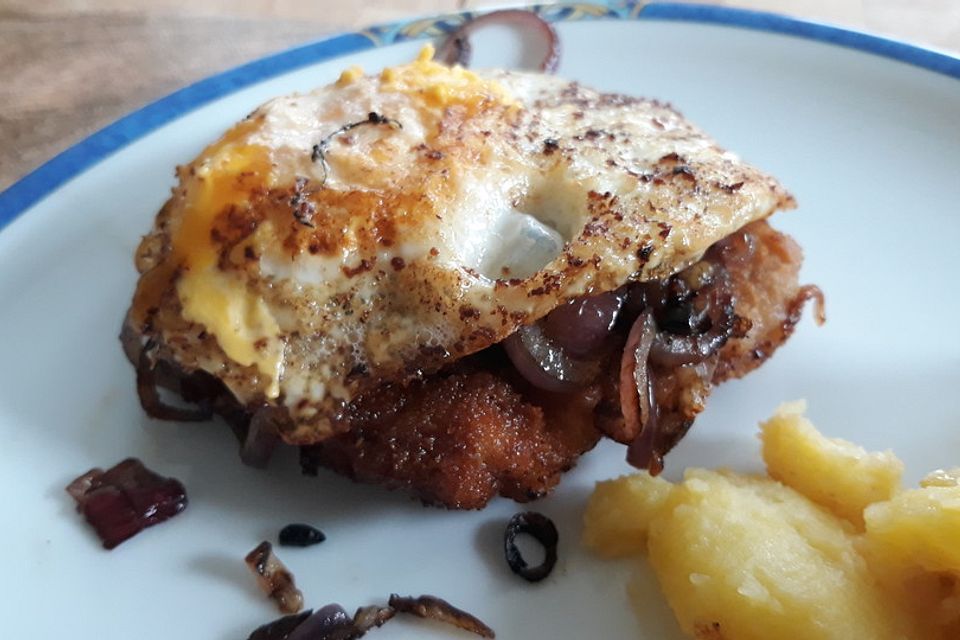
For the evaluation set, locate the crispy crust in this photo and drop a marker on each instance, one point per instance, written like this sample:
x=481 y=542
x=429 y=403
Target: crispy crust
x=459 y=439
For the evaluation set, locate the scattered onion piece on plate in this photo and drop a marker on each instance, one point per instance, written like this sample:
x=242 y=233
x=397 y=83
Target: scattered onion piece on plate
x=126 y=499
x=300 y=535
x=274 y=578
x=540 y=528
x=331 y=622
x=433 y=608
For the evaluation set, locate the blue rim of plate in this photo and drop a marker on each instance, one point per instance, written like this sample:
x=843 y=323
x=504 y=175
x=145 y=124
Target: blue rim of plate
x=50 y=176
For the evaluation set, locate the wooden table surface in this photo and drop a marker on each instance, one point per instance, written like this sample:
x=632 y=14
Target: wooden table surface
x=69 y=67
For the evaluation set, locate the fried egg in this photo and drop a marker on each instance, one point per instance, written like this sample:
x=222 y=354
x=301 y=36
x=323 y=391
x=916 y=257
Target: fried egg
x=381 y=227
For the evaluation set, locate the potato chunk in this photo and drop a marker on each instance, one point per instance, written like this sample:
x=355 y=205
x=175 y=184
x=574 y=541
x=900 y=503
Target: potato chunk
x=837 y=474
x=920 y=527
x=743 y=558
x=828 y=548
x=620 y=511
x=913 y=544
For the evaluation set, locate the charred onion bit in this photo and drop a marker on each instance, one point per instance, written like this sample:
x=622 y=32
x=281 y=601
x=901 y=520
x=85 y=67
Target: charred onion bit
x=126 y=499
x=433 y=608
x=319 y=151
x=274 y=578
x=540 y=528
x=456 y=48
x=300 y=535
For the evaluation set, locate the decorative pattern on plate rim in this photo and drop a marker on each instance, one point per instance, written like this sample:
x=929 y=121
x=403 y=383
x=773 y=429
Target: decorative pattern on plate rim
x=439 y=26
x=46 y=179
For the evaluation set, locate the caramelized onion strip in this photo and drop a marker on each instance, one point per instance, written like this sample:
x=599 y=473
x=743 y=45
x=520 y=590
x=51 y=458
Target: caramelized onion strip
x=636 y=401
x=545 y=364
x=811 y=292
x=433 y=608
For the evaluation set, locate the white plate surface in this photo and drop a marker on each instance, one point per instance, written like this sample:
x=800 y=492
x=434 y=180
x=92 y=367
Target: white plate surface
x=871 y=149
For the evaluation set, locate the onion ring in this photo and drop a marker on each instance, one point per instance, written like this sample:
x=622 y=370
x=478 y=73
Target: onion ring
x=545 y=364
x=456 y=48
x=281 y=628
x=540 y=528
x=708 y=315
x=582 y=325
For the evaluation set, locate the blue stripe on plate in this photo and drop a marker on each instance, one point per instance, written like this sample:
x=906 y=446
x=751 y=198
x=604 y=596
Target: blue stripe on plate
x=771 y=22
x=80 y=157
x=75 y=160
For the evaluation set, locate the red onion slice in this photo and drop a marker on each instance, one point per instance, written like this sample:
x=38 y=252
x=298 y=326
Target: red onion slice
x=126 y=499
x=697 y=325
x=582 y=325
x=262 y=437
x=636 y=401
x=545 y=364
x=642 y=452
x=456 y=48
x=330 y=622
x=281 y=628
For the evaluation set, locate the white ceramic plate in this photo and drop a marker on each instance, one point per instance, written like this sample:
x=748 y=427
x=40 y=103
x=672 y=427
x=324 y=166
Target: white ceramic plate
x=870 y=145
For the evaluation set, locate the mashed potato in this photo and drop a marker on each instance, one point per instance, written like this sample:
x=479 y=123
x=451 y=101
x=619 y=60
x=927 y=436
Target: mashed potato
x=826 y=548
